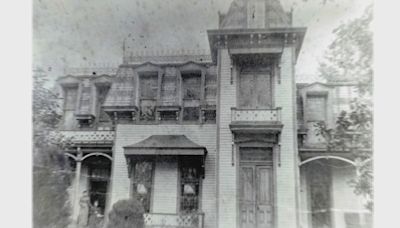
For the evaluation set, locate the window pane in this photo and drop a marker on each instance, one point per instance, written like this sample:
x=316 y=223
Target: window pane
x=168 y=115
x=255 y=90
x=70 y=99
x=263 y=90
x=169 y=90
x=191 y=113
x=142 y=182
x=148 y=110
x=101 y=96
x=191 y=86
x=211 y=88
x=245 y=91
x=190 y=185
x=316 y=108
x=148 y=86
x=210 y=116
x=69 y=120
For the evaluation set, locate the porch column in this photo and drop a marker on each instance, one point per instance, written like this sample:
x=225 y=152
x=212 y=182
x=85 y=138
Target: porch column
x=77 y=183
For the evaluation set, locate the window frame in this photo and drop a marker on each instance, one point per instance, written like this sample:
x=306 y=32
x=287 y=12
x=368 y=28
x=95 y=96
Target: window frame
x=242 y=70
x=132 y=191
x=99 y=104
x=181 y=161
x=155 y=99
x=320 y=95
x=73 y=109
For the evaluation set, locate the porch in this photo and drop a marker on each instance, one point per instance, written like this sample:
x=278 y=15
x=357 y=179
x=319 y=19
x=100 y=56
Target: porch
x=327 y=199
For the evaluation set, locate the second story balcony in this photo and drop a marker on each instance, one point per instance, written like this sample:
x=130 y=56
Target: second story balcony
x=256 y=115
x=254 y=120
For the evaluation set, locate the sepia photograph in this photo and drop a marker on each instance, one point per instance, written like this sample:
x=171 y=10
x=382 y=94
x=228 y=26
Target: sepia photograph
x=202 y=114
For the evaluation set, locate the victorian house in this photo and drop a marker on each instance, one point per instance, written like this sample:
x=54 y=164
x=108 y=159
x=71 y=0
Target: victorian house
x=218 y=139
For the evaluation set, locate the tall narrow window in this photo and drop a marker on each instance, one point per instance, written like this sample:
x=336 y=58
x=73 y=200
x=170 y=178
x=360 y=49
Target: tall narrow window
x=70 y=100
x=142 y=178
x=316 y=112
x=191 y=96
x=255 y=90
x=169 y=90
x=316 y=107
x=191 y=86
x=211 y=89
x=189 y=184
x=148 y=96
x=101 y=97
x=148 y=86
x=209 y=112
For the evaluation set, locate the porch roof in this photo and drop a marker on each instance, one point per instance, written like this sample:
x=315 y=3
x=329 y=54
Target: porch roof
x=165 y=145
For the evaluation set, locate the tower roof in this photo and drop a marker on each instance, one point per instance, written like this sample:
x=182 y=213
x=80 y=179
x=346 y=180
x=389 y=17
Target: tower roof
x=255 y=14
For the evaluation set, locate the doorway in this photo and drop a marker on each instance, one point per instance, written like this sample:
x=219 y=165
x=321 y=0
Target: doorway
x=256 y=188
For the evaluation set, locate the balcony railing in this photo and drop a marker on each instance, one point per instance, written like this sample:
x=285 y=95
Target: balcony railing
x=158 y=220
x=98 y=137
x=255 y=115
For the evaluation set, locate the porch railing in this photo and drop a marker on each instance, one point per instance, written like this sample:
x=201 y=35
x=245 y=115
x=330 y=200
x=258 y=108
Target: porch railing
x=162 y=220
x=89 y=136
x=250 y=115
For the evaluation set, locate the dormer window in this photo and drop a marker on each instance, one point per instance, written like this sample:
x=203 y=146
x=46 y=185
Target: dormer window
x=191 y=86
x=191 y=82
x=148 y=95
x=316 y=107
x=148 y=85
x=70 y=102
x=316 y=112
x=85 y=114
x=102 y=92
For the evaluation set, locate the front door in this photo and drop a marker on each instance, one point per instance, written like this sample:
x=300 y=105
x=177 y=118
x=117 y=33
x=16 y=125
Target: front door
x=256 y=203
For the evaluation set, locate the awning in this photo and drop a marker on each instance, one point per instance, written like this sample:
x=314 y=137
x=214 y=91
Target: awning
x=165 y=145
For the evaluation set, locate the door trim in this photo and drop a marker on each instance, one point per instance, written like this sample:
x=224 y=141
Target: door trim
x=273 y=166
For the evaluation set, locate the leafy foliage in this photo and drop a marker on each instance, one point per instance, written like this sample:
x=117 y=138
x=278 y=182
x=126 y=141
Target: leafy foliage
x=50 y=168
x=126 y=214
x=349 y=59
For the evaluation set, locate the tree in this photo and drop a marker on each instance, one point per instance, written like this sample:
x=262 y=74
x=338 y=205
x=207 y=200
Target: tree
x=50 y=167
x=349 y=59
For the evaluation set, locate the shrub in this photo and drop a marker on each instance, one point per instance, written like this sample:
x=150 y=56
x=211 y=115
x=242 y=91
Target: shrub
x=126 y=214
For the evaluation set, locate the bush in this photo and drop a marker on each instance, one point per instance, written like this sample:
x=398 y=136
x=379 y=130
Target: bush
x=126 y=214
x=51 y=208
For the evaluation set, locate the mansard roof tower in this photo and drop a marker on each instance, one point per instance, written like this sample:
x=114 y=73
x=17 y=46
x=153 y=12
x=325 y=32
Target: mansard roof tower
x=255 y=14
x=257 y=46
